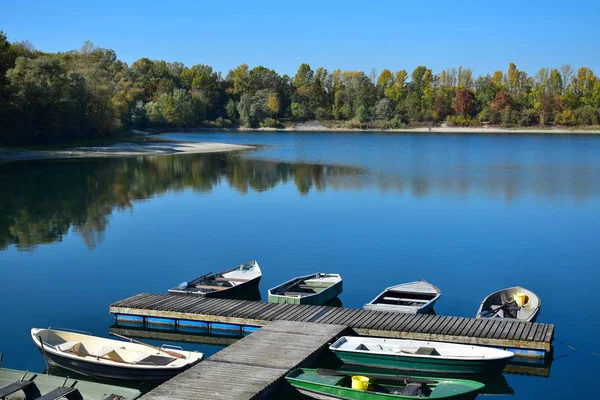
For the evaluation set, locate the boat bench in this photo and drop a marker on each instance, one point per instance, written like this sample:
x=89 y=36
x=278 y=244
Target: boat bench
x=14 y=387
x=58 y=393
x=314 y=286
x=403 y=299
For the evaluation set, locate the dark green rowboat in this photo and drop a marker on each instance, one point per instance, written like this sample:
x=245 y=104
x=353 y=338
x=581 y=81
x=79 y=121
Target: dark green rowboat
x=326 y=384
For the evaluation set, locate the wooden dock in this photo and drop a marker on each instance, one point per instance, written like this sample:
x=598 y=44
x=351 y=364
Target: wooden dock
x=526 y=339
x=253 y=366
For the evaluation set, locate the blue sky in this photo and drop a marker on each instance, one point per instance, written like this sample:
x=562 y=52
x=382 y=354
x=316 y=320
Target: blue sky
x=351 y=35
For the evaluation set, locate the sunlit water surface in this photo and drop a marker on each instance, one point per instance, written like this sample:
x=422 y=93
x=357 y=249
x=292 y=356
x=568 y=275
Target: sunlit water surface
x=469 y=213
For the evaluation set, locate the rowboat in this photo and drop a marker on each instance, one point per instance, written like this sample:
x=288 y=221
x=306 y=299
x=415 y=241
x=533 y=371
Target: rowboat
x=18 y=385
x=225 y=284
x=420 y=356
x=328 y=384
x=114 y=359
x=513 y=304
x=413 y=298
x=315 y=289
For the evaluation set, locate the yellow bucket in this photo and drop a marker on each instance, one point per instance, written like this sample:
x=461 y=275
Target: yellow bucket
x=360 y=382
x=521 y=299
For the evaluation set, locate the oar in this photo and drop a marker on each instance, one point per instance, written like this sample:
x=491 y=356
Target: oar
x=171 y=353
x=497 y=310
x=393 y=378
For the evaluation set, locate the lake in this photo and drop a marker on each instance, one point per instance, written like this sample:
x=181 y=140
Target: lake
x=470 y=213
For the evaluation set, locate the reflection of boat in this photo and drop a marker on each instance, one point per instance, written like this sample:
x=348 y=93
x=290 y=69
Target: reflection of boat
x=335 y=302
x=19 y=385
x=420 y=356
x=315 y=289
x=107 y=358
x=329 y=384
x=515 y=303
x=229 y=283
x=413 y=298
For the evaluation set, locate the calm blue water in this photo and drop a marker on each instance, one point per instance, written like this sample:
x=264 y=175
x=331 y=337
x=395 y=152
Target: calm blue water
x=469 y=213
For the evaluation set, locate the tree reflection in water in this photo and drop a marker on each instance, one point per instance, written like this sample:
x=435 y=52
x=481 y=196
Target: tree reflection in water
x=41 y=200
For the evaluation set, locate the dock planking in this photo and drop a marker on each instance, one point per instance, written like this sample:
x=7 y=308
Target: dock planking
x=251 y=367
x=497 y=333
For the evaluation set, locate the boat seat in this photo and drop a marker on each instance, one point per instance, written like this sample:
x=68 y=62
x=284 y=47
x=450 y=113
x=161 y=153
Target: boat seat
x=67 y=392
x=14 y=387
x=427 y=351
x=208 y=287
x=156 y=360
x=313 y=286
x=299 y=294
x=416 y=389
x=231 y=280
x=77 y=348
x=403 y=299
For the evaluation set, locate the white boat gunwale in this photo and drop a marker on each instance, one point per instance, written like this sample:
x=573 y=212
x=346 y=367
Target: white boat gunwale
x=500 y=354
x=190 y=357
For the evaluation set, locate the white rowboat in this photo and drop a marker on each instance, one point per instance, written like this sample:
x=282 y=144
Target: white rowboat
x=107 y=358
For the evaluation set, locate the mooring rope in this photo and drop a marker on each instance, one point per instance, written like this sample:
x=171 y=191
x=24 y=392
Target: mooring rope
x=576 y=350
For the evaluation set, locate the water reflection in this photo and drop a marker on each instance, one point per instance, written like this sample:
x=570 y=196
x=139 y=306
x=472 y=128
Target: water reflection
x=40 y=201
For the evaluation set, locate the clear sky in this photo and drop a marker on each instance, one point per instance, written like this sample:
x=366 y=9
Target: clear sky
x=484 y=35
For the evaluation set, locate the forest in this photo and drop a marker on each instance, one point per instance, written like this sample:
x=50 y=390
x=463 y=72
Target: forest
x=90 y=93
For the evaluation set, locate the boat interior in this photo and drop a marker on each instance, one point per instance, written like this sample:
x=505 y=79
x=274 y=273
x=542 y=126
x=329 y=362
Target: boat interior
x=108 y=350
x=504 y=304
x=399 y=387
x=301 y=287
x=226 y=279
x=401 y=298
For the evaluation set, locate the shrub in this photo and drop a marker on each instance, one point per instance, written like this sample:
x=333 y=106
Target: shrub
x=529 y=118
x=567 y=118
x=322 y=114
x=587 y=116
x=223 y=123
x=270 y=123
x=458 y=120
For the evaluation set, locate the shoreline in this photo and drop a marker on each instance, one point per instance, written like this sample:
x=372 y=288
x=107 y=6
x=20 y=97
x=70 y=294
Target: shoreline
x=128 y=149
x=452 y=130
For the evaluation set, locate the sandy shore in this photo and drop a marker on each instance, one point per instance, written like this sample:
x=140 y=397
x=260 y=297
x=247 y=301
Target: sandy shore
x=316 y=126
x=121 y=150
x=501 y=130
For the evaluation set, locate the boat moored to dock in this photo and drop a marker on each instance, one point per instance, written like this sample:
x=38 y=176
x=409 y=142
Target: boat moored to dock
x=18 y=385
x=315 y=289
x=514 y=303
x=114 y=359
x=225 y=284
x=330 y=384
x=412 y=298
x=420 y=356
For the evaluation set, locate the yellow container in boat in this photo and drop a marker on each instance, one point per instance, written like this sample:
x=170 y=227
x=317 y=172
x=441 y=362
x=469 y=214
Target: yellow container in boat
x=360 y=382
x=520 y=299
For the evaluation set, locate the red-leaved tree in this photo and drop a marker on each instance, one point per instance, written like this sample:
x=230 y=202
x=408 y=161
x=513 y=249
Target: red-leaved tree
x=464 y=102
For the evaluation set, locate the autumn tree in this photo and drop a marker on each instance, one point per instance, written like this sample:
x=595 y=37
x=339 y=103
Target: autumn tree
x=464 y=102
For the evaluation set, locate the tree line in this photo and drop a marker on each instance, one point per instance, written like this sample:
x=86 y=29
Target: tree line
x=50 y=97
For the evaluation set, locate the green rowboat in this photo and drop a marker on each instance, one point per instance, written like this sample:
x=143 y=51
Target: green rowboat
x=314 y=289
x=19 y=385
x=327 y=384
